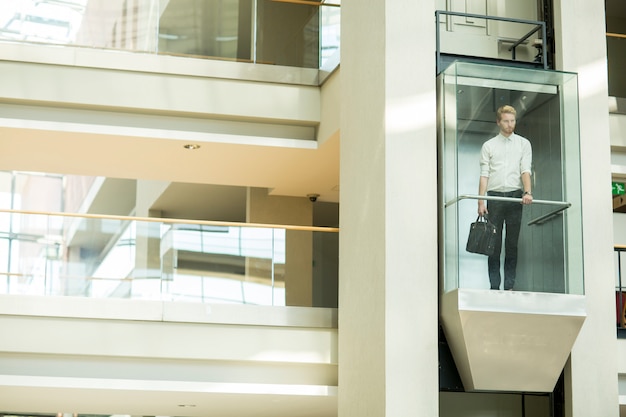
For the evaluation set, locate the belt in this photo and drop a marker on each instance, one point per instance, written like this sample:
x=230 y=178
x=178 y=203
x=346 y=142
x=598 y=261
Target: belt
x=514 y=193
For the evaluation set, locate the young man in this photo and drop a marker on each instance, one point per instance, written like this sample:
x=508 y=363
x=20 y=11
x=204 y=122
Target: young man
x=505 y=167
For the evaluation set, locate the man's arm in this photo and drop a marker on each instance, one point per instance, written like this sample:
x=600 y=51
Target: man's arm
x=527 y=198
x=525 y=167
x=482 y=190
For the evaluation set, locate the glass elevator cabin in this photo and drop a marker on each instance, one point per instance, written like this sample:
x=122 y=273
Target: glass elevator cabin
x=511 y=340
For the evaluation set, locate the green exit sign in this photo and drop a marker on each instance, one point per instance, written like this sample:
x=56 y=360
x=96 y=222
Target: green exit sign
x=618 y=188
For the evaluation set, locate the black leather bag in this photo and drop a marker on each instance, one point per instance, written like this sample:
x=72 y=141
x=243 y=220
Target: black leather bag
x=482 y=237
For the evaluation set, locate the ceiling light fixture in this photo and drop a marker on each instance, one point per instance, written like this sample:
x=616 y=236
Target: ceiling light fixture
x=191 y=146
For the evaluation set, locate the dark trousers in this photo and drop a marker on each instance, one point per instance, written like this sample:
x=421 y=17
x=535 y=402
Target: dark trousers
x=503 y=213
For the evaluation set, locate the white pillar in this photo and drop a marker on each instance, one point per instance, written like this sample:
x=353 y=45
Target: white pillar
x=298 y=275
x=388 y=363
x=148 y=261
x=591 y=373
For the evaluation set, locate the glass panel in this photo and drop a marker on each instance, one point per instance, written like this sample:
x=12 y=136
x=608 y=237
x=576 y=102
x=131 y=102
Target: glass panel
x=279 y=254
x=620 y=287
x=330 y=24
x=616 y=49
x=41 y=20
x=207 y=28
x=124 y=257
x=270 y=32
x=325 y=270
x=5 y=190
x=5 y=277
x=287 y=34
x=549 y=254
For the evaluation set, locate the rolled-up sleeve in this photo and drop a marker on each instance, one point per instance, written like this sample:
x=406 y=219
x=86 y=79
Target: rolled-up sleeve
x=527 y=157
x=485 y=156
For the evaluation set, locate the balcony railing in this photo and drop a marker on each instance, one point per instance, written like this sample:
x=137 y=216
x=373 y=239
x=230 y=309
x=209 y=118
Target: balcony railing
x=291 y=33
x=620 y=291
x=64 y=254
x=470 y=36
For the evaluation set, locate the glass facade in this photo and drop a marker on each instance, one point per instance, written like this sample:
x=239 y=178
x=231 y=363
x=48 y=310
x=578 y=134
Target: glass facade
x=549 y=257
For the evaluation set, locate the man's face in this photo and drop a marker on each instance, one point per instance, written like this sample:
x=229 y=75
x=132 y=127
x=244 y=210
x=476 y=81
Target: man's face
x=506 y=123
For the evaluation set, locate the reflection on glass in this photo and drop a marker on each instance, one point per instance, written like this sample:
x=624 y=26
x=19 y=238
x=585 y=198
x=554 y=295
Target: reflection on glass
x=550 y=241
x=330 y=35
x=89 y=256
x=41 y=21
x=270 y=32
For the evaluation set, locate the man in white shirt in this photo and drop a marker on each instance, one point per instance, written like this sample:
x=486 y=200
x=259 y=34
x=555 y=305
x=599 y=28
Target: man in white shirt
x=505 y=168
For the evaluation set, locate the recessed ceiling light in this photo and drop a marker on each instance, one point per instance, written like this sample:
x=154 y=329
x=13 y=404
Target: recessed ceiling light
x=191 y=146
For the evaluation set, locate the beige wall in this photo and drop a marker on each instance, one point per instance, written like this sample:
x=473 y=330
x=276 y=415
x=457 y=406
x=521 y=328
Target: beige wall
x=146 y=357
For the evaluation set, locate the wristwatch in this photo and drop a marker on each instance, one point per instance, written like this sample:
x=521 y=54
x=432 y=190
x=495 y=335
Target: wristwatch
x=527 y=193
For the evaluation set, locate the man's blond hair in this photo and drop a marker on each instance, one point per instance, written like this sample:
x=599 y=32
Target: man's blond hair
x=506 y=109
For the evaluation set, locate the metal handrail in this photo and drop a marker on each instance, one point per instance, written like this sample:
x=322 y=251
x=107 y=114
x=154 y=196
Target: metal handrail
x=538 y=26
x=174 y=221
x=522 y=39
x=564 y=205
x=159 y=257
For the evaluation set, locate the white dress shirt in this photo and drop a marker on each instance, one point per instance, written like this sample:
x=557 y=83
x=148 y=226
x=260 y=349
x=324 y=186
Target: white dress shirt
x=503 y=160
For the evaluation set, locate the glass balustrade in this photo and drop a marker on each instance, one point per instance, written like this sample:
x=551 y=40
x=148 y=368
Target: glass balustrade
x=620 y=291
x=60 y=254
x=278 y=32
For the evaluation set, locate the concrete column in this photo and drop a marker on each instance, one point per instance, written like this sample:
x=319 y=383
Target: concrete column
x=591 y=373
x=298 y=272
x=388 y=362
x=148 y=240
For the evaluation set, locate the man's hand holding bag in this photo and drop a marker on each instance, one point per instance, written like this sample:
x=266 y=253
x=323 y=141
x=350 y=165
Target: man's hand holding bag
x=482 y=237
